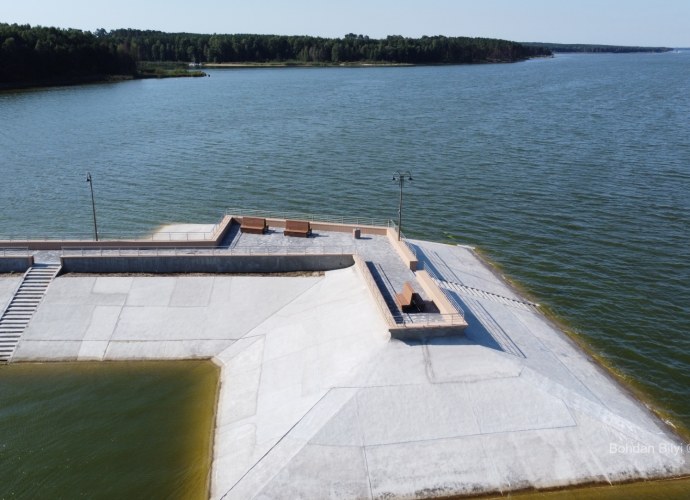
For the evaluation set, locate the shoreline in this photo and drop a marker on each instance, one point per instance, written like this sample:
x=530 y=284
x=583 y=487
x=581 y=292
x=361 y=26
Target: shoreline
x=627 y=383
x=196 y=72
x=89 y=80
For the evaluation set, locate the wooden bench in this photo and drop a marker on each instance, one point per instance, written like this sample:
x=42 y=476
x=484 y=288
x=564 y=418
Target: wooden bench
x=253 y=225
x=408 y=298
x=300 y=228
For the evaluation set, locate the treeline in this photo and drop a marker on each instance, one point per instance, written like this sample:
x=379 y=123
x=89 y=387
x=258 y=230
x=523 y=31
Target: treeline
x=588 y=48
x=36 y=54
x=159 y=46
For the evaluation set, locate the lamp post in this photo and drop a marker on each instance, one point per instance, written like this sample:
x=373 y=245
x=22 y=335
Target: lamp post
x=93 y=204
x=401 y=177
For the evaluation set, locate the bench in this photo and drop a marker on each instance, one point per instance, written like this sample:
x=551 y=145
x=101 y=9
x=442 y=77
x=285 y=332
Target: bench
x=300 y=228
x=253 y=225
x=408 y=298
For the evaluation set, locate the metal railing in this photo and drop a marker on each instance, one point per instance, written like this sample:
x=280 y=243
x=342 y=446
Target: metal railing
x=125 y=236
x=407 y=320
x=328 y=219
x=14 y=252
x=433 y=319
x=205 y=251
x=447 y=293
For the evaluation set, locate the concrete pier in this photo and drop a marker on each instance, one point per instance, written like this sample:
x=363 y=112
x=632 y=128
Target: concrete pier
x=317 y=400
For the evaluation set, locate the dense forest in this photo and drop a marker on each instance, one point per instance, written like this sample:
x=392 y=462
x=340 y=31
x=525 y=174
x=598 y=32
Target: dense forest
x=50 y=54
x=158 y=46
x=587 y=48
x=37 y=54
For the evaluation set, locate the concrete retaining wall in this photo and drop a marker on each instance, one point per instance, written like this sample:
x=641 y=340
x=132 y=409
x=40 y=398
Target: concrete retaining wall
x=205 y=263
x=16 y=264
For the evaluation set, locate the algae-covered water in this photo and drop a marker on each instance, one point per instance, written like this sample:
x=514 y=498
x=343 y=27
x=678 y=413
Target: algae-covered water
x=106 y=430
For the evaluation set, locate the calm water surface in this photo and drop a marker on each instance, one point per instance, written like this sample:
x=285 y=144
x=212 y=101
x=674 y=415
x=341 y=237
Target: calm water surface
x=572 y=173
x=106 y=430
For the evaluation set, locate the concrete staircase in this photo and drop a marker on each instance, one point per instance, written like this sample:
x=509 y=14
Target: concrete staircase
x=23 y=306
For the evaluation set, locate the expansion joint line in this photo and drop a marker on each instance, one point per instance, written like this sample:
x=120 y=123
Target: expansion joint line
x=275 y=445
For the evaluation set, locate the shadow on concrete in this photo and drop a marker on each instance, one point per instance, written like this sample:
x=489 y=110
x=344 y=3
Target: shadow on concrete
x=424 y=261
x=444 y=341
x=385 y=291
x=230 y=236
x=476 y=331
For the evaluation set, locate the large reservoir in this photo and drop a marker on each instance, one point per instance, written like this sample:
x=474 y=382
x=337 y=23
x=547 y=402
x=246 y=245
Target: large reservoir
x=571 y=173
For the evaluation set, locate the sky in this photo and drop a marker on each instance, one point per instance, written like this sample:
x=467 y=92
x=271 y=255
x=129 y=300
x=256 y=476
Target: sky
x=617 y=22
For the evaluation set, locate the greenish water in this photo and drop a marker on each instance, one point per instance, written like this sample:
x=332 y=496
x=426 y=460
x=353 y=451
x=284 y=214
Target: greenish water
x=106 y=430
x=666 y=490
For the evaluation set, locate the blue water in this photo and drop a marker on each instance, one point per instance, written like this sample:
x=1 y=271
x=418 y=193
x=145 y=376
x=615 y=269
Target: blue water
x=572 y=173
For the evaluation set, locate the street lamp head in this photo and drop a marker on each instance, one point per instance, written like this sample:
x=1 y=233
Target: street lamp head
x=88 y=176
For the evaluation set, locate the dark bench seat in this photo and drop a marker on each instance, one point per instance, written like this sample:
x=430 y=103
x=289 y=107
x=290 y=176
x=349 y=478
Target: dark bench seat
x=300 y=228
x=253 y=225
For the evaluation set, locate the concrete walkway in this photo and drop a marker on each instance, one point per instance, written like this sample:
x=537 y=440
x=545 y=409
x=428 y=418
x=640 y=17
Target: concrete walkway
x=316 y=401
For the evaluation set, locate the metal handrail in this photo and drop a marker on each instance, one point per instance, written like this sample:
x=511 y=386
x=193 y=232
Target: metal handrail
x=406 y=320
x=159 y=236
x=445 y=292
x=429 y=319
x=15 y=252
x=329 y=219
x=213 y=251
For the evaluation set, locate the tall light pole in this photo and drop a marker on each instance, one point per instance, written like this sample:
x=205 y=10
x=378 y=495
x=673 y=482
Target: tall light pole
x=400 y=177
x=93 y=204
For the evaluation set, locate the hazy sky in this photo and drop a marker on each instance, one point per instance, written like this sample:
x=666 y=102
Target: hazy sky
x=621 y=22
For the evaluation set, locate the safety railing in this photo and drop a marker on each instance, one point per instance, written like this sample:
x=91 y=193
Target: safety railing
x=14 y=252
x=205 y=251
x=329 y=219
x=432 y=319
x=123 y=236
x=407 y=320
x=449 y=296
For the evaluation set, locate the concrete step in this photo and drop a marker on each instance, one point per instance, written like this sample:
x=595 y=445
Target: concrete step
x=23 y=305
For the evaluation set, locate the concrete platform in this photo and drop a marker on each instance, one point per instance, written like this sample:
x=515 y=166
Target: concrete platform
x=317 y=401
